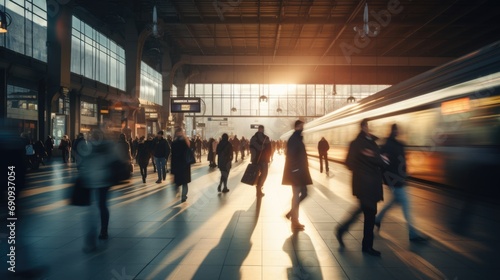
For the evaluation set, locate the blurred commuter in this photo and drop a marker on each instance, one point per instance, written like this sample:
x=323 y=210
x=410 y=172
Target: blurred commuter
x=260 y=148
x=323 y=148
x=236 y=146
x=181 y=168
x=79 y=149
x=65 y=147
x=211 y=153
x=49 y=146
x=241 y=148
x=97 y=174
x=365 y=161
x=151 y=144
x=161 y=153
x=198 y=146
x=395 y=177
x=143 y=155
x=224 y=159
x=296 y=173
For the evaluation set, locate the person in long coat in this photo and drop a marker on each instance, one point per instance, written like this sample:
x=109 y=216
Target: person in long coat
x=224 y=159
x=296 y=173
x=365 y=162
x=181 y=168
x=143 y=155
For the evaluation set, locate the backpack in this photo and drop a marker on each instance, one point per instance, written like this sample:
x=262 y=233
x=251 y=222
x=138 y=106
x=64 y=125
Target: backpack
x=29 y=150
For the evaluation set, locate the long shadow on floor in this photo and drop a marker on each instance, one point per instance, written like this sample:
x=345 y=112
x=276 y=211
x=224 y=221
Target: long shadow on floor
x=245 y=247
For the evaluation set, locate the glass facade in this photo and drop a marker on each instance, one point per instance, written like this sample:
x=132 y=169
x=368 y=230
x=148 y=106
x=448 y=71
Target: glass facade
x=95 y=56
x=88 y=109
x=27 y=33
x=151 y=84
x=292 y=100
x=21 y=98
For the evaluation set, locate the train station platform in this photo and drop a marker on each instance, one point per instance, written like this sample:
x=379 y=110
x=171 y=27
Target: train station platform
x=153 y=235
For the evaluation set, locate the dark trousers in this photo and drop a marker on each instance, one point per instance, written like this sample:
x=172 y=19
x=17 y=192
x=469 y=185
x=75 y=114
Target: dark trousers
x=299 y=193
x=369 y=210
x=144 y=170
x=103 y=207
x=236 y=155
x=263 y=169
x=323 y=157
x=242 y=154
x=65 y=155
x=224 y=174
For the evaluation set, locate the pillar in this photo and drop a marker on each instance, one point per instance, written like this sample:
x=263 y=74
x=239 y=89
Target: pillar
x=59 y=24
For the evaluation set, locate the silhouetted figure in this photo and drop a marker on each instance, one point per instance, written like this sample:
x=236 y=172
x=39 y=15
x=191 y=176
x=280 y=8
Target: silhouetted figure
x=181 y=168
x=211 y=153
x=241 y=148
x=198 y=146
x=260 y=147
x=323 y=148
x=236 y=145
x=224 y=159
x=143 y=155
x=365 y=161
x=161 y=153
x=395 y=177
x=65 y=147
x=49 y=146
x=296 y=173
x=79 y=149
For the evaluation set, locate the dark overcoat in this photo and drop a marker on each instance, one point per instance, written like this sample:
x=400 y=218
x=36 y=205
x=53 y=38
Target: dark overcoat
x=366 y=170
x=180 y=166
x=296 y=172
x=224 y=155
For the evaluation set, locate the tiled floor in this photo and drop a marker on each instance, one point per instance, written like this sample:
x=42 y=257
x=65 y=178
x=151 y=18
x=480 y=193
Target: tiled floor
x=236 y=236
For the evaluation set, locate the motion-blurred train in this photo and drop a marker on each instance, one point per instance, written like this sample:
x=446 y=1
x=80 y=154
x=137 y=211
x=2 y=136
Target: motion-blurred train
x=448 y=117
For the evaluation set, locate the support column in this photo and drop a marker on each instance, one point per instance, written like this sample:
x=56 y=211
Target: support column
x=43 y=122
x=74 y=114
x=59 y=24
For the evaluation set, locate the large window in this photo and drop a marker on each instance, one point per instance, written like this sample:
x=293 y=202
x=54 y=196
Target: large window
x=151 y=84
x=28 y=31
x=95 y=56
x=21 y=98
x=292 y=100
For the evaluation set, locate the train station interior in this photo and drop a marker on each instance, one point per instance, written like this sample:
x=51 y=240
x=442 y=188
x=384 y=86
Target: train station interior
x=112 y=69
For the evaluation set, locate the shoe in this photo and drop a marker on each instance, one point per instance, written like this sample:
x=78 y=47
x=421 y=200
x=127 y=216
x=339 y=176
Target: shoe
x=288 y=216
x=103 y=236
x=418 y=239
x=338 y=235
x=164 y=176
x=371 y=252
x=377 y=225
x=218 y=188
x=183 y=200
x=260 y=194
x=225 y=190
x=144 y=180
x=158 y=181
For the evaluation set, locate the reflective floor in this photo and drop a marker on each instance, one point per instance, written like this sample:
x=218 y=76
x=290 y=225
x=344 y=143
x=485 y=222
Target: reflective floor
x=236 y=236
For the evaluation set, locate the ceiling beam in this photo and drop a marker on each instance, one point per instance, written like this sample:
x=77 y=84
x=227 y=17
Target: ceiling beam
x=314 y=60
x=408 y=35
x=278 y=29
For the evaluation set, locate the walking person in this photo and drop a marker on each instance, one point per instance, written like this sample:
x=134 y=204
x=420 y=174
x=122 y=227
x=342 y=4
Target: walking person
x=236 y=146
x=181 y=168
x=365 y=161
x=242 y=146
x=143 y=155
x=296 y=173
x=79 y=149
x=49 y=146
x=224 y=159
x=323 y=148
x=260 y=148
x=395 y=177
x=161 y=153
x=97 y=175
x=65 y=147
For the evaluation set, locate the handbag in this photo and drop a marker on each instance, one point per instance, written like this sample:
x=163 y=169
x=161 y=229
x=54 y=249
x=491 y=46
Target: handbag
x=250 y=175
x=81 y=194
x=190 y=157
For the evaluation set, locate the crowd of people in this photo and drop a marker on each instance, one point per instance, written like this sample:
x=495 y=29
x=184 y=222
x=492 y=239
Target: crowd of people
x=370 y=164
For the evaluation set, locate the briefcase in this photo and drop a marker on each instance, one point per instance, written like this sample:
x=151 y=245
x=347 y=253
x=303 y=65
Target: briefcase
x=250 y=175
